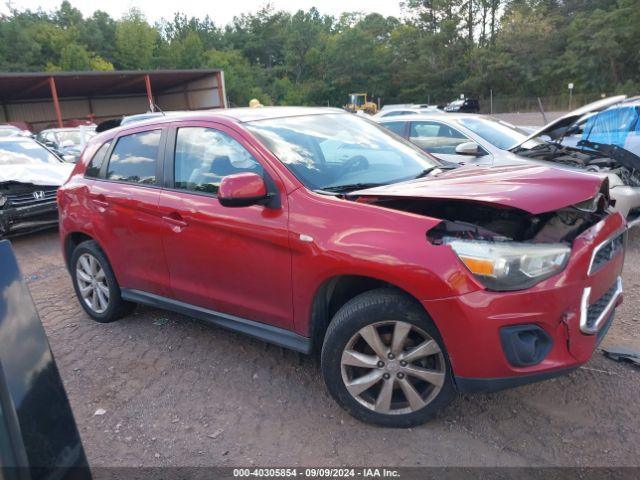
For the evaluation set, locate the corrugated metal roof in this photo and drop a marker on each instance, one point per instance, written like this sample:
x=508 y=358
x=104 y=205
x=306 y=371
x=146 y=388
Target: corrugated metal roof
x=35 y=85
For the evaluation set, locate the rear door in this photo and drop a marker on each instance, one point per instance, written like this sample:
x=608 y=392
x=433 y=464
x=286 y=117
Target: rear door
x=230 y=260
x=123 y=199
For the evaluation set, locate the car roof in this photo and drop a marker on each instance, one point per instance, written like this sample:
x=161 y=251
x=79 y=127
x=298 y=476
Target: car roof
x=432 y=116
x=267 y=113
x=240 y=115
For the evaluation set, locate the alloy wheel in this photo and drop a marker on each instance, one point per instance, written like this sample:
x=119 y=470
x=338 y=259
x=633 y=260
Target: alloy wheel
x=393 y=367
x=92 y=283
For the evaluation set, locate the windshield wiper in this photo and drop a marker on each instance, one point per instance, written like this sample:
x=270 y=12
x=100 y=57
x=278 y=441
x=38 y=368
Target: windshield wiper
x=348 y=187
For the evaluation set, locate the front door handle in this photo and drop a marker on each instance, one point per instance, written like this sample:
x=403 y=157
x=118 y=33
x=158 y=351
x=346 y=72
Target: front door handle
x=176 y=221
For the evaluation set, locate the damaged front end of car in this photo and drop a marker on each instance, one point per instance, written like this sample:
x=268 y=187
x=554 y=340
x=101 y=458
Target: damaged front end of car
x=506 y=248
x=26 y=207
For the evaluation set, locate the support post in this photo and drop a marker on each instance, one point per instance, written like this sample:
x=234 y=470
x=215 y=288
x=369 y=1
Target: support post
x=56 y=103
x=544 y=117
x=5 y=112
x=491 y=101
x=147 y=82
x=221 y=92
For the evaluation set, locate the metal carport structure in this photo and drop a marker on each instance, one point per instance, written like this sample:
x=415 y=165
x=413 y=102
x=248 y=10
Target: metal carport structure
x=47 y=99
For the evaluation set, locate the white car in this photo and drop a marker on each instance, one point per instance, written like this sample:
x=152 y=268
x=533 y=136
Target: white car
x=464 y=138
x=30 y=175
x=407 y=109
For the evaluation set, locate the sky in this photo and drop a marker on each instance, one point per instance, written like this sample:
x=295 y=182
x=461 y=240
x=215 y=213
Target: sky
x=221 y=11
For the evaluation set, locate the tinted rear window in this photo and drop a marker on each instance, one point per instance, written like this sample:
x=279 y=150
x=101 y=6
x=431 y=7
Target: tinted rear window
x=135 y=157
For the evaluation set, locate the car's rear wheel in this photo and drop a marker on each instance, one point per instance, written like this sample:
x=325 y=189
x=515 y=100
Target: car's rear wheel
x=383 y=360
x=96 y=285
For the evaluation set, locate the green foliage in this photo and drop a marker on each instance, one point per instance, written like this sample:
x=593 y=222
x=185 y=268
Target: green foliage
x=441 y=48
x=135 y=42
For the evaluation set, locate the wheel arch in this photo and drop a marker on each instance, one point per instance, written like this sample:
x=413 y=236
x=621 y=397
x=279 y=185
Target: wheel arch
x=334 y=292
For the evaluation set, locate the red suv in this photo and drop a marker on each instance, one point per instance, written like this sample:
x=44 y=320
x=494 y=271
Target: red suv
x=318 y=230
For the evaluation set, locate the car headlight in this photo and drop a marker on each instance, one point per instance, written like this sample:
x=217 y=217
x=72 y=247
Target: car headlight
x=506 y=266
x=3 y=200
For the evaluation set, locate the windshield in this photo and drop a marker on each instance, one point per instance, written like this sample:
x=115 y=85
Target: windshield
x=499 y=134
x=74 y=136
x=339 y=150
x=357 y=100
x=25 y=153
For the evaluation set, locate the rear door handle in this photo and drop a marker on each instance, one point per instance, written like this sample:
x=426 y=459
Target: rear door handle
x=176 y=221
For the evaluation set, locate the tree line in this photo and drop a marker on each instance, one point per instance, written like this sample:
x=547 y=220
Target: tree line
x=435 y=51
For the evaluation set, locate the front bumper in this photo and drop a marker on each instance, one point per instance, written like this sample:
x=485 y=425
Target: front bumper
x=32 y=217
x=470 y=324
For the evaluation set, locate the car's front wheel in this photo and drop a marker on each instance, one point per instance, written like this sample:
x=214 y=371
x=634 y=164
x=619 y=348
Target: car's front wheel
x=96 y=285
x=383 y=360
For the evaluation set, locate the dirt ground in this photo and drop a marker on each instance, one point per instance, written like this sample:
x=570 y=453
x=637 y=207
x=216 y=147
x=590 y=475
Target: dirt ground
x=179 y=393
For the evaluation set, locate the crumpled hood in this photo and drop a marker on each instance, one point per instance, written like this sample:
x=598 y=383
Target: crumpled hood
x=535 y=188
x=46 y=174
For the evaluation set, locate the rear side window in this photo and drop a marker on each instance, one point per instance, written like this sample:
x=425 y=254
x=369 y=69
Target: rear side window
x=134 y=158
x=93 y=170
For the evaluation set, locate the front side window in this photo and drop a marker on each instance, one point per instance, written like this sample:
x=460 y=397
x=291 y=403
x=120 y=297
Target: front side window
x=340 y=151
x=134 y=158
x=396 y=127
x=204 y=156
x=436 y=137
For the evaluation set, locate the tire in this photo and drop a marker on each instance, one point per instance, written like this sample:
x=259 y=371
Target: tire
x=348 y=358
x=81 y=265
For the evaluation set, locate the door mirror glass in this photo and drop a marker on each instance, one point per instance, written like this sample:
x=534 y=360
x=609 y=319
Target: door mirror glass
x=468 y=148
x=242 y=190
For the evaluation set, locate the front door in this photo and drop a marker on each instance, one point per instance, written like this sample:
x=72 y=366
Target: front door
x=230 y=260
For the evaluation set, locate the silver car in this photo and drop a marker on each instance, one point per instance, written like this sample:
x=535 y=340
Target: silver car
x=465 y=138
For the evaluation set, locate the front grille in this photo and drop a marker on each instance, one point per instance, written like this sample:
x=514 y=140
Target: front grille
x=605 y=252
x=593 y=315
x=30 y=197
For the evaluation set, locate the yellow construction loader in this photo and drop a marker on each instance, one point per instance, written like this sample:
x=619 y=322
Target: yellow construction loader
x=358 y=102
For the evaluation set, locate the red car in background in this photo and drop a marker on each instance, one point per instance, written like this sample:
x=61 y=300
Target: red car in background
x=318 y=230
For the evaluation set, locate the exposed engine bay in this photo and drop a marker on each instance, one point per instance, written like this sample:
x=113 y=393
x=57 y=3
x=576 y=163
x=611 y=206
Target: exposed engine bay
x=477 y=221
x=603 y=159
